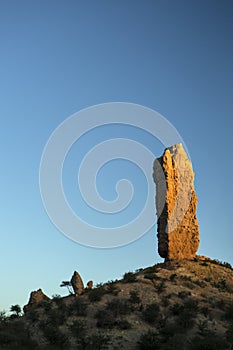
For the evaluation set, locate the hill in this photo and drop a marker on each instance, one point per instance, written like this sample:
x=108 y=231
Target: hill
x=183 y=304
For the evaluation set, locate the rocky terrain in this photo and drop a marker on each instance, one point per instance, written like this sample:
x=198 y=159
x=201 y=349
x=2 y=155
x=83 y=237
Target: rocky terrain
x=184 y=304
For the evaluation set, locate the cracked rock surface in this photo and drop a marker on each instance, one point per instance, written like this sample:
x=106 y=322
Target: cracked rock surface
x=176 y=202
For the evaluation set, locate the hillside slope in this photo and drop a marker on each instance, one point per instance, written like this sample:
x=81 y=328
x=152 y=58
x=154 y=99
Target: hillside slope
x=174 y=305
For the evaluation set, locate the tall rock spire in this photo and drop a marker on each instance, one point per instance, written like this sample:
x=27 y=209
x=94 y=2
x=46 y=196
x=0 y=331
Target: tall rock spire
x=176 y=201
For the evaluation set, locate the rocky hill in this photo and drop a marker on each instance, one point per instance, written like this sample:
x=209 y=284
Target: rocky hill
x=183 y=304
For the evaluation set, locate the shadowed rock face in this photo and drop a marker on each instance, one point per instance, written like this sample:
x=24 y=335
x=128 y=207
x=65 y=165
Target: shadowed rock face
x=176 y=201
x=77 y=283
x=35 y=298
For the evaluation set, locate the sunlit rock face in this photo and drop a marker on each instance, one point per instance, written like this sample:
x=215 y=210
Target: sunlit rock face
x=176 y=202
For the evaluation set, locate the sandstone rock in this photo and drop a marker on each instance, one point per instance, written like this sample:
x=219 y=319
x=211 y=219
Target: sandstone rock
x=35 y=298
x=89 y=284
x=77 y=283
x=176 y=201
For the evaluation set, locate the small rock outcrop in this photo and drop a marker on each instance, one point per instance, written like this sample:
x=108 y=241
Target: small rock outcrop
x=89 y=284
x=176 y=202
x=35 y=298
x=77 y=283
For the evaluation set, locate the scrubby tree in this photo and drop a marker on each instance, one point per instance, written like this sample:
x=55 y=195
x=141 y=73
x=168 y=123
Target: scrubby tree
x=3 y=316
x=16 y=309
x=68 y=285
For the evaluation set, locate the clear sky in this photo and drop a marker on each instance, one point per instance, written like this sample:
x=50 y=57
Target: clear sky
x=59 y=57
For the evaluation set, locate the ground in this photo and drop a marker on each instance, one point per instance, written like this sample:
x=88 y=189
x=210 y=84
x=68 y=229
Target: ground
x=184 y=304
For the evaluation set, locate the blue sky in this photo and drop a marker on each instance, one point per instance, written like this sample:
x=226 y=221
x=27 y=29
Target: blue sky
x=60 y=57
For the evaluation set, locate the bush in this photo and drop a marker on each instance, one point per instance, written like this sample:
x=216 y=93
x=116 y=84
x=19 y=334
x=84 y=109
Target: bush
x=97 y=341
x=222 y=286
x=112 y=288
x=55 y=337
x=203 y=328
x=118 y=307
x=96 y=294
x=200 y=283
x=224 y=264
x=229 y=333
x=177 y=309
x=134 y=297
x=189 y=284
x=191 y=305
x=149 y=341
x=183 y=294
x=78 y=307
x=176 y=341
x=160 y=288
x=105 y=319
x=228 y=315
x=14 y=335
x=216 y=262
x=151 y=313
x=55 y=317
x=221 y=304
x=185 y=312
x=169 y=330
x=129 y=277
x=228 y=265
x=207 y=279
x=78 y=329
x=185 y=319
x=3 y=316
x=173 y=276
x=151 y=269
x=56 y=298
x=186 y=278
x=139 y=270
x=165 y=301
x=151 y=276
x=108 y=318
x=123 y=324
x=209 y=342
x=205 y=311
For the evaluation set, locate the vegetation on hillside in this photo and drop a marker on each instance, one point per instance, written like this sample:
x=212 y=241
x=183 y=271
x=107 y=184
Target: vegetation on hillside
x=185 y=305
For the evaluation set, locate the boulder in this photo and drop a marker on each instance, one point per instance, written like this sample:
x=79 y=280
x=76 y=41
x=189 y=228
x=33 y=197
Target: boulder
x=77 y=283
x=89 y=284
